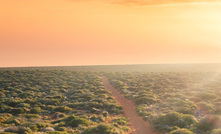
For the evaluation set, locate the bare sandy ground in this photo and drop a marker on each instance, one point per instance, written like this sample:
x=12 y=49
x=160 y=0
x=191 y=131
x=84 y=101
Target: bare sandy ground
x=138 y=125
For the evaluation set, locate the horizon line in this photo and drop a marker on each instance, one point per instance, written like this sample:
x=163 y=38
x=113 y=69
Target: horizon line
x=107 y=65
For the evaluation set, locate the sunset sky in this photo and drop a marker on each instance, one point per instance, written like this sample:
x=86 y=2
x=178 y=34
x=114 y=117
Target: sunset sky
x=103 y=32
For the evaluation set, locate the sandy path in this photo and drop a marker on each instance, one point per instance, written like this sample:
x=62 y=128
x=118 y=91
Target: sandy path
x=138 y=125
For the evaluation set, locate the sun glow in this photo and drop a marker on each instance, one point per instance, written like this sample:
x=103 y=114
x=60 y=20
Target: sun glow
x=100 y=32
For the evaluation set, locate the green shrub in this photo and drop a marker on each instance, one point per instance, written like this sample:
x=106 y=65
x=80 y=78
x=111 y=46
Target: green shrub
x=185 y=106
x=102 y=129
x=35 y=110
x=50 y=107
x=125 y=129
x=188 y=120
x=185 y=110
x=121 y=121
x=94 y=104
x=70 y=118
x=13 y=121
x=2 y=95
x=24 y=95
x=144 y=100
x=62 y=109
x=30 y=115
x=61 y=124
x=27 y=124
x=34 y=128
x=79 y=121
x=5 y=108
x=173 y=119
x=57 y=132
x=181 y=131
x=18 y=129
x=23 y=105
x=105 y=113
x=207 y=96
x=73 y=121
x=4 y=117
x=72 y=105
x=95 y=118
x=61 y=129
x=17 y=111
x=12 y=103
x=41 y=126
x=59 y=115
x=207 y=124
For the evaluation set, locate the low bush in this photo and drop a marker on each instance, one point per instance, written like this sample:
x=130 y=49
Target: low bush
x=125 y=129
x=121 y=121
x=168 y=121
x=78 y=121
x=62 y=109
x=4 y=117
x=105 y=113
x=35 y=110
x=102 y=129
x=207 y=96
x=144 y=100
x=34 y=128
x=61 y=129
x=57 y=132
x=23 y=105
x=13 y=121
x=181 y=131
x=73 y=121
x=16 y=111
x=207 y=124
x=18 y=129
x=59 y=115
x=41 y=126
x=30 y=115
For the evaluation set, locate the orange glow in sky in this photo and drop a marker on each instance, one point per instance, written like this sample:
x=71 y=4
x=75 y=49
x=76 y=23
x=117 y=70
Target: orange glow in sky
x=99 y=32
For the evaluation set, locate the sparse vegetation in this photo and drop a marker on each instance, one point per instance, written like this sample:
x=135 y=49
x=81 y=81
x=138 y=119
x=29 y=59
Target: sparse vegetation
x=174 y=102
x=60 y=102
x=55 y=102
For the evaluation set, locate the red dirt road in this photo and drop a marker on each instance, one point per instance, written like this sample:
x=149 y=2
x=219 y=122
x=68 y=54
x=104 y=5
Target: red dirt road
x=138 y=125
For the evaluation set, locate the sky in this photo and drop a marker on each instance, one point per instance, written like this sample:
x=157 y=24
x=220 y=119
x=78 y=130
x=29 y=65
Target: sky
x=109 y=32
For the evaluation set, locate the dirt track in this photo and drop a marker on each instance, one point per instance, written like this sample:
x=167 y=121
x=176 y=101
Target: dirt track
x=138 y=125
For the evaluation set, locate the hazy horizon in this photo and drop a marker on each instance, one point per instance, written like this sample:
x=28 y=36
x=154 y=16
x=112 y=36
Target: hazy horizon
x=212 y=63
